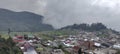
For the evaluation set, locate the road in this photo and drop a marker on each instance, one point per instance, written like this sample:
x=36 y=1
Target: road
x=30 y=50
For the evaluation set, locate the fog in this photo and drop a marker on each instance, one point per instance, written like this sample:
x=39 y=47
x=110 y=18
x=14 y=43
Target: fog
x=60 y=13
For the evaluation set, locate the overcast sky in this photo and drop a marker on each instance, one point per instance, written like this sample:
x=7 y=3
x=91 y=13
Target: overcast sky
x=60 y=13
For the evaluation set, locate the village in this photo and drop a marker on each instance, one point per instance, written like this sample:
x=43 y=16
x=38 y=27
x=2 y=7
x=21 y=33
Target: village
x=84 y=42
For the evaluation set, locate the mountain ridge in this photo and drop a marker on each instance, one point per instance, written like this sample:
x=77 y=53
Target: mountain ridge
x=22 y=21
x=86 y=27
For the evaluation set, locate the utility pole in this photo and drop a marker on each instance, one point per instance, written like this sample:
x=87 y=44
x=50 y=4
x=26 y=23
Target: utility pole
x=9 y=31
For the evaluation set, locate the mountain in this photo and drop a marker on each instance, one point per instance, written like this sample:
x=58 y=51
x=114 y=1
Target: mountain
x=22 y=21
x=86 y=27
x=97 y=28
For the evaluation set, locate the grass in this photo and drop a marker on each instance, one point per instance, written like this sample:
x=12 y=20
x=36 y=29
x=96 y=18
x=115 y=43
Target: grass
x=45 y=34
x=5 y=36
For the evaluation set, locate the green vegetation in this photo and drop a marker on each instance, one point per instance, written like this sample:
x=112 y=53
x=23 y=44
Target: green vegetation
x=62 y=48
x=50 y=35
x=60 y=32
x=118 y=52
x=66 y=52
x=22 y=21
x=7 y=46
x=86 y=27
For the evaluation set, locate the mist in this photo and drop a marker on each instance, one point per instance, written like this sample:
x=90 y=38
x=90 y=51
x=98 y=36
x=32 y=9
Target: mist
x=60 y=13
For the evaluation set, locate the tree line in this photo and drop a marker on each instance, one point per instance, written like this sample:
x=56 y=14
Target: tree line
x=86 y=27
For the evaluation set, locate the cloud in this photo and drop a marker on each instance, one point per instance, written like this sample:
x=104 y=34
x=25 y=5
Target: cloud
x=66 y=12
x=110 y=4
x=60 y=13
x=36 y=6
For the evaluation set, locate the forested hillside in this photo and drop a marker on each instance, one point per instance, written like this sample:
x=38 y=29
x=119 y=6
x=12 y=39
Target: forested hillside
x=22 y=21
x=86 y=27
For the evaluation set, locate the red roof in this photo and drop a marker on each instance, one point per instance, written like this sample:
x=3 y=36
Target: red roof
x=20 y=37
x=18 y=40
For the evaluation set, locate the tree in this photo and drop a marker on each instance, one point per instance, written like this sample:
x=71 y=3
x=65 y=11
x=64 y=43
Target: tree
x=98 y=26
x=80 y=51
x=26 y=37
x=9 y=31
x=9 y=47
x=86 y=27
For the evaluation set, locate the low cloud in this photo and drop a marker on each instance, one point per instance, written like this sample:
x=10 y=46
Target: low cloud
x=60 y=13
x=66 y=12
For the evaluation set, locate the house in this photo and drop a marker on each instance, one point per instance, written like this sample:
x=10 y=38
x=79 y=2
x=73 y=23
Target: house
x=97 y=44
x=116 y=46
x=18 y=39
x=57 y=51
